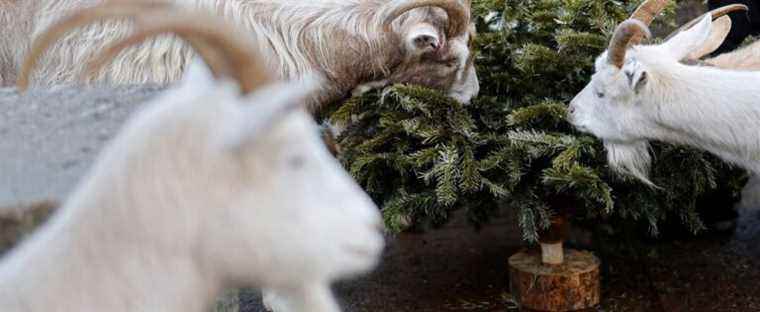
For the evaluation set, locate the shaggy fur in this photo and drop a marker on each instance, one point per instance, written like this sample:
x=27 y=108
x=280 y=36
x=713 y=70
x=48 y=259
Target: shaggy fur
x=14 y=40
x=654 y=97
x=342 y=39
x=206 y=189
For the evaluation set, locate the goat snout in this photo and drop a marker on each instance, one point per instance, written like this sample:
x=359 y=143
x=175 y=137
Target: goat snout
x=424 y=41
x=570 y=112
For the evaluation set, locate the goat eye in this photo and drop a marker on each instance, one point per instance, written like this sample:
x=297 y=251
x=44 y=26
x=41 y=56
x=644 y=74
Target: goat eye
x=296 y=162
x=599 y=94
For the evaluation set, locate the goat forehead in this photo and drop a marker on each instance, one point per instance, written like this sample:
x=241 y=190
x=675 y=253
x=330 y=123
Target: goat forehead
x=602 y=61
x=598 y=80
x=436 y=16
x=296 y=130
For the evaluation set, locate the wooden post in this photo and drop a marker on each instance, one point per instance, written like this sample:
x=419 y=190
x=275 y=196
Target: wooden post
x=555 y=279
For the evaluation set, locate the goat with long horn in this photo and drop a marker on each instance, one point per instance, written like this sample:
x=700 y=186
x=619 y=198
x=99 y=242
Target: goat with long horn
x=351 y=43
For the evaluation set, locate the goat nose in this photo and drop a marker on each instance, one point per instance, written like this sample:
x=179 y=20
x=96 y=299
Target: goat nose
x=570 y=111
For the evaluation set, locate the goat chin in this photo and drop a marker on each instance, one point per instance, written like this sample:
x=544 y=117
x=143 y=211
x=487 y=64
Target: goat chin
x=632 y=159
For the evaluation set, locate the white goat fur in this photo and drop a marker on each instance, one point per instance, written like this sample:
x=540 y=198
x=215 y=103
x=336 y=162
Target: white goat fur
x=746 y=58
x=654 y=97
x=343 y=39
x=205 y=189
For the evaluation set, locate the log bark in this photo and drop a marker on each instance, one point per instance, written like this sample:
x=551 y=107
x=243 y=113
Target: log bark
x=571 y=286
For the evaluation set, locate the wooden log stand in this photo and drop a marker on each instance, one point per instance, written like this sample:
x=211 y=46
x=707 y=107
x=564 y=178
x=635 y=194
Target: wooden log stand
x=554 y=279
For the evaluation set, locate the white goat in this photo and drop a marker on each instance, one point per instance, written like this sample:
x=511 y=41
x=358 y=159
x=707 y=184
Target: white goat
x=350 y=42
x=642 y=92
x=218 y=183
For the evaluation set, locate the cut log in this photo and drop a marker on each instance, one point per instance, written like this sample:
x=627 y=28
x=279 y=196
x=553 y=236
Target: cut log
x=570 y=286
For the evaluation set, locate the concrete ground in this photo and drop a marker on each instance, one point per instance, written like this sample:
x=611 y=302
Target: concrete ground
x=49 y=138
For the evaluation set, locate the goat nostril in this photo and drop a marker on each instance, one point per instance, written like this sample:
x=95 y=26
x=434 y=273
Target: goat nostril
x=426 y=40
x=569 y=115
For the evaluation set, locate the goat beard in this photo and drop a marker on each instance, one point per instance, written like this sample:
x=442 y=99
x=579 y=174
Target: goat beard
x=632 y=159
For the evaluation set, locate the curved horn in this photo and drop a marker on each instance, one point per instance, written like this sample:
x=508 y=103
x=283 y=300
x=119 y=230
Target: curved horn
x=225 y=50
x=114 y=9
x=717 y=13
x=646 y=12
x=211 y=55
x=624 y=33
x=459 y=15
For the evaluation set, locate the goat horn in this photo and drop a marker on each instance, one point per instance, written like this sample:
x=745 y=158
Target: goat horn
x=624 y=33
x=113 y=9
x=459 y=15
x=646 y=12
x=223 y=48
x=717 y=13
x=216 y=62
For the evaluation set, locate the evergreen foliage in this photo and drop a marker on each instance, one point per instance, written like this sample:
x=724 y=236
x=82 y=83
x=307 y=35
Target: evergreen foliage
x=421 y=155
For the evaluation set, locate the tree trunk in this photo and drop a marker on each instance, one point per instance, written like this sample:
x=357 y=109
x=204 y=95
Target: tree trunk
x=570 y=286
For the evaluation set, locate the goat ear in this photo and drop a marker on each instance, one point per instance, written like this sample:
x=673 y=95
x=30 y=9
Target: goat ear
x=688 y=41
x=264 y=108
x=720 y=29
x=423 y=38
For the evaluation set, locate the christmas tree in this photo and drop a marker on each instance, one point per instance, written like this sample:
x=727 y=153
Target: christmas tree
x=421 y=155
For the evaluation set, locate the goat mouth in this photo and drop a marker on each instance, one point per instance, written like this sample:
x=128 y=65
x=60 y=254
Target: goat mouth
x=577 y=126
x=363 y=252
x=582 y=128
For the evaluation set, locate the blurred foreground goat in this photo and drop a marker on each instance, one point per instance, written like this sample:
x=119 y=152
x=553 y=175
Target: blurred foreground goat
x=220 y=182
